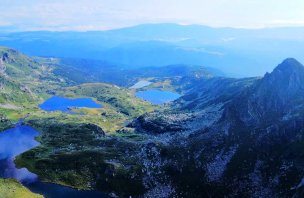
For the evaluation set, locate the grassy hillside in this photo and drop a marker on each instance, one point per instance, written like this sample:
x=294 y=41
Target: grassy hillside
x=119 y=106
x=17 y=81
x=26 y=81
x=31 y=73
x=121 y=99
x=15 y=101
x=14 y=93
x=12 y=189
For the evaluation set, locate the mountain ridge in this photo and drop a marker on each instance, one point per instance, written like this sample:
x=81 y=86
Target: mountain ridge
x=193 y=43
x=245 y=143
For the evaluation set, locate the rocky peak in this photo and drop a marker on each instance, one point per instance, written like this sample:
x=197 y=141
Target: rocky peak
x=288 y=74
x=286 y=79
x=278 y=95
x=289 y=66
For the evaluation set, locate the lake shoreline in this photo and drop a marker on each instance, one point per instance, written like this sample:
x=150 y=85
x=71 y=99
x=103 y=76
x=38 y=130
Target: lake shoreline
x=25 y=138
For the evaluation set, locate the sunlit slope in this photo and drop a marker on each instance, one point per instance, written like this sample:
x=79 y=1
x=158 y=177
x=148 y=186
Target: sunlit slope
x=12 y=189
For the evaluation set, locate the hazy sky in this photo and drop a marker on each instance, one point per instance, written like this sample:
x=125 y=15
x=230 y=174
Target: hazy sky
x=108 y=14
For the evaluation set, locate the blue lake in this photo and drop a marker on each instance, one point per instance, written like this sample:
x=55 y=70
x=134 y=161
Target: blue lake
x=157 y=97
x=14 y=142
x=18 y=140
x=57 y=103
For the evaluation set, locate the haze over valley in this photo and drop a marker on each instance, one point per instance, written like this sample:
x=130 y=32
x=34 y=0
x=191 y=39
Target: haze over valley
x=237 y=52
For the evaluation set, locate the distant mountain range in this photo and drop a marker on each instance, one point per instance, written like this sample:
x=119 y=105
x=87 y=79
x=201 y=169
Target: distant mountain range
x=237 y=52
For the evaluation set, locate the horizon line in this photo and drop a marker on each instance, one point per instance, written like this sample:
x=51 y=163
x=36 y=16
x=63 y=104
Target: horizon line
x=14 y=29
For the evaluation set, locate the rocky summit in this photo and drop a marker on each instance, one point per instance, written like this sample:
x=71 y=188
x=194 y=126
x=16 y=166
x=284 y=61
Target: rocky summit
x=275 y=97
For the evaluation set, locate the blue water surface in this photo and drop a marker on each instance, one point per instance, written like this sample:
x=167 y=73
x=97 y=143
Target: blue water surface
x=141 y=84
x=21 y=139
x=14 y=142
x=157 y=97
x=57 y=103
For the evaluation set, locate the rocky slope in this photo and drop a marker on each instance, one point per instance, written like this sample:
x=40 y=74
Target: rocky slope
x=202 y=105
x=278 y=96
x=247 y=141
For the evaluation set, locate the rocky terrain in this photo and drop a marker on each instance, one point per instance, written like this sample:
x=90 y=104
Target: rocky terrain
x=246 y=140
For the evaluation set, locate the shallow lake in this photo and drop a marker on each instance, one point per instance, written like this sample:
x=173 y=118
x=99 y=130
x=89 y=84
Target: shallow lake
x=141 y=84
x=18 y=140
x=157 y=96
x=56 y=103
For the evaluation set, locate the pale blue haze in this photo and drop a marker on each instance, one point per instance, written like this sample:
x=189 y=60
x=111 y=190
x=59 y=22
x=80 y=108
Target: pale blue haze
x=108 y=14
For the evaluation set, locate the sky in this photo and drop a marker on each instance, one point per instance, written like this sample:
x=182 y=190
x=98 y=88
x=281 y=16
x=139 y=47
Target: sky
x=84 y=15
